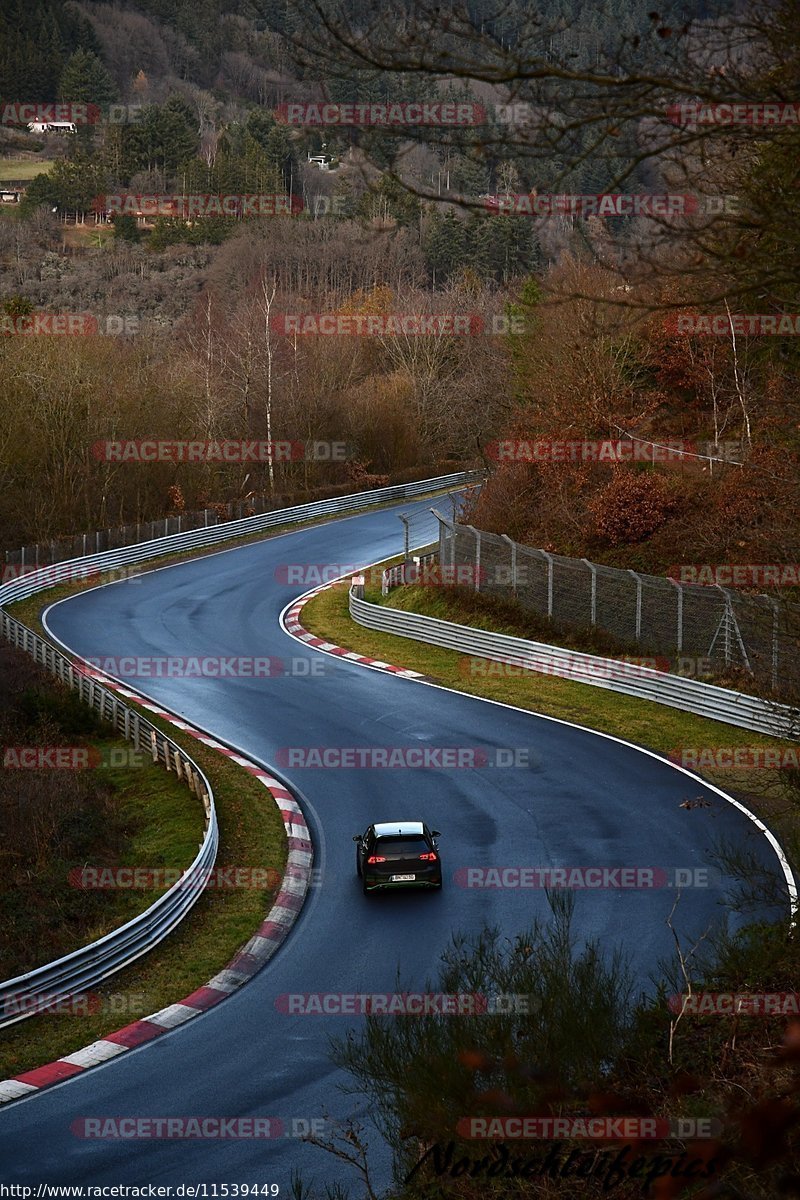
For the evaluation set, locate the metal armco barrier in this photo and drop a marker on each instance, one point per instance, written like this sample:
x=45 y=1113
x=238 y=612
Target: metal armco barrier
x=34 y=991
x=405 y=572
x=689 y=695
x=107 y=560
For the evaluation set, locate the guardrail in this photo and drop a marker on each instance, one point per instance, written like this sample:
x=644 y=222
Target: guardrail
x=630 y=679
x=405 y=572
x=92 y=564
x=27 y=994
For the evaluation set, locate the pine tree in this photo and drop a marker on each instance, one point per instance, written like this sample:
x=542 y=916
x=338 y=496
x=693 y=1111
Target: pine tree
x=85 y=80
x=445 y=245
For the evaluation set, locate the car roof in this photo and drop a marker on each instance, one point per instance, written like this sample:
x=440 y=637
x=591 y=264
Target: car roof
x=399 y=829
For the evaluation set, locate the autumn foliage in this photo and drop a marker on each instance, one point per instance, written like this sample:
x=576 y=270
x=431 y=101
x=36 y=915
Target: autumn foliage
x=631 y=507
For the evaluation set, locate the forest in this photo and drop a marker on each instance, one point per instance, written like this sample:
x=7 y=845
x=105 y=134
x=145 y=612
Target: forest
x=577 y=313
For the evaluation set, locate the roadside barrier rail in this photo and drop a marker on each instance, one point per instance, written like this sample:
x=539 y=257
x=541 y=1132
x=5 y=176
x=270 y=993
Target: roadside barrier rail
x=630 y=679
x=44 y=987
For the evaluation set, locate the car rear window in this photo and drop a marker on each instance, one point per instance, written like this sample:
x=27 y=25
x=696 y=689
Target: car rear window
x=401 y=845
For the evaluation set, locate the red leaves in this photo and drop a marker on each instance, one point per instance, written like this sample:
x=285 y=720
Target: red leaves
x=175 y=500
x=631 y=507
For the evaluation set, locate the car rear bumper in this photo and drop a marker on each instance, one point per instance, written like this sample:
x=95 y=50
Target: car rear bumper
x=376 y=883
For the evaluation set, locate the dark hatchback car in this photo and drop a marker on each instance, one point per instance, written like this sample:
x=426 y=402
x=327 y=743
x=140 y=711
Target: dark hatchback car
x=392 y=854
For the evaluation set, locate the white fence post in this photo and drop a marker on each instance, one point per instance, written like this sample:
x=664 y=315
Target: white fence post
x=477 y=533
x=638 y=579
x=549 y=558
x=593 y=604
x=513 y=546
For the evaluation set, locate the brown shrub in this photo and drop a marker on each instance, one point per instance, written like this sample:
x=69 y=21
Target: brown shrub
x=631 y=507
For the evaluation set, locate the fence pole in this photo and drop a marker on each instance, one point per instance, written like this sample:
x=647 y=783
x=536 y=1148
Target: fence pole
x=442 y=535
x=549 y=558
x=513 y=546
x=406 y=537
x=593 y=569
x=638 y=604
x=477 y=533
x=679 y=631
x=775 y=611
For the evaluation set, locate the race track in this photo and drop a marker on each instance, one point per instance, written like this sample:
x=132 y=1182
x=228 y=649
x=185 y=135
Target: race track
x=579 y=800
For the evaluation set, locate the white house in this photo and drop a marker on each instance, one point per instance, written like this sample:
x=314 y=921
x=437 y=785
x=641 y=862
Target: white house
x=52 y=127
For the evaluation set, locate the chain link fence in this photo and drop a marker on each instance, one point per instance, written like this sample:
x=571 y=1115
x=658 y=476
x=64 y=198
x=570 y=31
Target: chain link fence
x=100 y=541
x=713 y=629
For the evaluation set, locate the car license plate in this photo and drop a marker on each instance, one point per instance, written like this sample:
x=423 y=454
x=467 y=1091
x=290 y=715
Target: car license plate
x=403 y=878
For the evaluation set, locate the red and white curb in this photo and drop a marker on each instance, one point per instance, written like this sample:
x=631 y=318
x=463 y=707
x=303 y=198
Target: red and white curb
x=291 y=623
x=249 y=959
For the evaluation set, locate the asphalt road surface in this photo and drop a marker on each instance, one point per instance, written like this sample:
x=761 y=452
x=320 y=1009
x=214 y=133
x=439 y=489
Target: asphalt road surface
x=570 y=798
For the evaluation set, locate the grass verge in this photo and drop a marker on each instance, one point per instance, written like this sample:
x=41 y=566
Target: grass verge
x=251 y=834
x=771 y=794
x=122 y=811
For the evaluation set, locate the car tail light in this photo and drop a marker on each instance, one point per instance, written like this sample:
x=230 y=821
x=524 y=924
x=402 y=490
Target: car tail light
x=428 y=857
x=376 y=858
